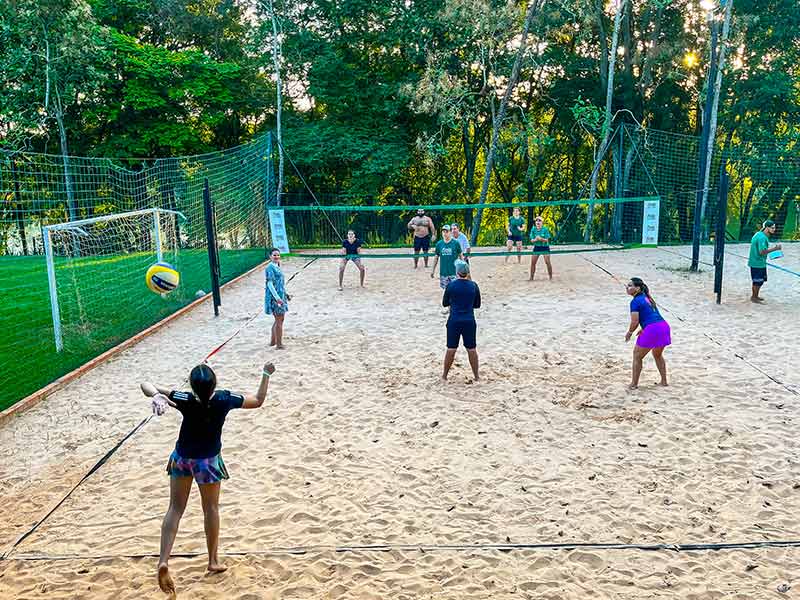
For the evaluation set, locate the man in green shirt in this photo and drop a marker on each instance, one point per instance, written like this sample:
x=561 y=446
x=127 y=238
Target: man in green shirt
x=449 y=250
x=540 y=238
x=516 y=230
x=759 y=249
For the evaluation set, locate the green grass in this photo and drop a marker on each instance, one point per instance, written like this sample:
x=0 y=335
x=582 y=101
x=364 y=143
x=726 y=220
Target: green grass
x=113 y=304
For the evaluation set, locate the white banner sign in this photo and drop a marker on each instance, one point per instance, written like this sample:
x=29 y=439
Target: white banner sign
x=650 y=223
x=277 y=227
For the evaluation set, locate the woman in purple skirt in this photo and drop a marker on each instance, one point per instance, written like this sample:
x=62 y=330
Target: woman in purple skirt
x=654 y=333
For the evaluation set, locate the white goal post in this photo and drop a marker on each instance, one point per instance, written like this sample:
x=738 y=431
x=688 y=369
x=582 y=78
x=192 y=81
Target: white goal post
x=64 y=239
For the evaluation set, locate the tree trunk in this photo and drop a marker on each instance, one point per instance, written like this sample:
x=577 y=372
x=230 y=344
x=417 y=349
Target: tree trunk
x=618 y=232
x=598 y=6
x=744 y=215
x=529 y=178
x=715 y=106
x=18 y=208
x=471 y=148
x=58 y=113
x=703 y=150
x=62 y=135
x=533 y=7
x=607 y=120
x=616 y=220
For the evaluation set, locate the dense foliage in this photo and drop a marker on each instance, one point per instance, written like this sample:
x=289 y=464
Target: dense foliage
x=394 y=100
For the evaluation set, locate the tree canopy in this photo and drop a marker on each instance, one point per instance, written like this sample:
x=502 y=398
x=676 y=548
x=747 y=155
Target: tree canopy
x=395 y=100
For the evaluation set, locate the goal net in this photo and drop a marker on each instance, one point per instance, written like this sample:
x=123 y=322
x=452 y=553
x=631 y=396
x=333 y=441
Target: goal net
x=96 y=273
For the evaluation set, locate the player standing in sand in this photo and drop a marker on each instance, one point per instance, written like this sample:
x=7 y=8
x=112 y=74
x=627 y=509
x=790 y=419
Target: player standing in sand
x=462 y=296
x=351 y=248
x=540 y=238
x=276 y=300
x=424 y=233
x=197 y=456
x=449 y=251
x=516 y=230
x=759 y=249
x=462 y=240
x=654 y=333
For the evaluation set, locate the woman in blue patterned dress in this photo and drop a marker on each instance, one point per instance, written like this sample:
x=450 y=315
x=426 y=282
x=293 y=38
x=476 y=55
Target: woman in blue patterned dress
x=276 y=300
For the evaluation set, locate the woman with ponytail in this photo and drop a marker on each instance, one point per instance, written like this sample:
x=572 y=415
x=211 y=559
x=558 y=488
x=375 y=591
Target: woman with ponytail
x=654 y=333
x=197 y=455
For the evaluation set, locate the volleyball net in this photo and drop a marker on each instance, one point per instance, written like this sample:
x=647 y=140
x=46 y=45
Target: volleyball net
x=617 y=223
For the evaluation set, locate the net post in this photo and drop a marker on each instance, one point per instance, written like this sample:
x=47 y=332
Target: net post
x=157 y=234
x=211 y=236
x=51 y=280
x=720 y=230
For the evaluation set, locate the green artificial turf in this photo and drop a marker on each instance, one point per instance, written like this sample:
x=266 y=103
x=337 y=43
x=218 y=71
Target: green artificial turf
x=103 y=301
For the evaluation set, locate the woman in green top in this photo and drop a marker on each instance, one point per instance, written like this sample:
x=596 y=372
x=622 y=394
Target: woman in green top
x=516 y=229
x=540 y=238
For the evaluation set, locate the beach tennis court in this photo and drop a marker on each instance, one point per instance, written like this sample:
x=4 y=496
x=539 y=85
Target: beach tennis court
x=365 y=477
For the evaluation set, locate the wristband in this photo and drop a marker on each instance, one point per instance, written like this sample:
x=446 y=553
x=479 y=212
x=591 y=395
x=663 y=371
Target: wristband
x=265 y=374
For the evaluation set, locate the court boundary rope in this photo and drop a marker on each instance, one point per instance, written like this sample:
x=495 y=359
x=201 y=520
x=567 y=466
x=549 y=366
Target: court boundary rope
x=352 y=548
x=773 y=265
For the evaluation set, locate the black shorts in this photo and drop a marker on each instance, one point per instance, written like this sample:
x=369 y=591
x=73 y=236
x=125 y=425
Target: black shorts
x=461 y=329
x=541 y=249
x=514 y=238
x=758 y=275
x=422 y=243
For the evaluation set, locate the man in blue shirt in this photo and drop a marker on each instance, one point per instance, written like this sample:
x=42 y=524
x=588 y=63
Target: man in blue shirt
x=462 y=296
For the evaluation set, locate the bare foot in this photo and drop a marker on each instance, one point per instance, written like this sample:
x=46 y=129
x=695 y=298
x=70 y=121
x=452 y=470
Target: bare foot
x=633 y=386
x=281 y=347
x=662 y=383
x=215 y=567
x=165 y=581
x=272 y=342
x=531 y=279
x=443 y=379
x=757 y=300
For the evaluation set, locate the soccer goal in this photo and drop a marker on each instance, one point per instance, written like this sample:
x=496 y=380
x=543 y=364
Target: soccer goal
x=96 y=269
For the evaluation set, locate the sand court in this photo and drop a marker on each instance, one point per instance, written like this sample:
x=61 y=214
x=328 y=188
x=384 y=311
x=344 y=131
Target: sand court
x=359 y=444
